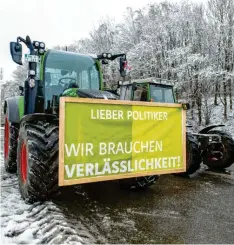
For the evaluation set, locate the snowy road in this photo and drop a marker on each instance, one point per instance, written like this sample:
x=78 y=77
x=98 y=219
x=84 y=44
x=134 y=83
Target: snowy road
x=38 y=223
x=175 y=210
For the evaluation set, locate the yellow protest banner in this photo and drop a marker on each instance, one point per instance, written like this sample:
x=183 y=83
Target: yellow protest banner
x=110 y=139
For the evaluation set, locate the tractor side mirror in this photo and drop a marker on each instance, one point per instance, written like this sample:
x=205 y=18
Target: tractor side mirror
x=16 y=52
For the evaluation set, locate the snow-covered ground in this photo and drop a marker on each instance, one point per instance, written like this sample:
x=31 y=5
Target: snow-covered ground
x=40 y=223
x=34 y=224
x=27 y=224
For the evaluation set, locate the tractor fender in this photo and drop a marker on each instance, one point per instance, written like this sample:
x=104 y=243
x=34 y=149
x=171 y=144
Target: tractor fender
x=52 y=118
x=207 y=129
x=14 y=108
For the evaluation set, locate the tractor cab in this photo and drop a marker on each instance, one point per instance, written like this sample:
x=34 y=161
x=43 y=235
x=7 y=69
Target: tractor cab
x=63 y=73
x=56 y=73
x=145 y=90
x=63 y=70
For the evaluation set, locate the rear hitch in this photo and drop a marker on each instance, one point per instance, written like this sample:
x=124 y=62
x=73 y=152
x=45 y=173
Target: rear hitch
x=210 y=146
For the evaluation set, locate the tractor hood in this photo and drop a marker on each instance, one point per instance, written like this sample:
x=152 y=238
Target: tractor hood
x=98 y=94
x=89 y=93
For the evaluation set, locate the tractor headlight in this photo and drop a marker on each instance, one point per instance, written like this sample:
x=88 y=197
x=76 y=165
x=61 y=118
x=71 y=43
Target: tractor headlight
x=104 y=55
x=42 y=45
x=41 y=51
x=109 y=55
x=36 y=44
x=31 y=83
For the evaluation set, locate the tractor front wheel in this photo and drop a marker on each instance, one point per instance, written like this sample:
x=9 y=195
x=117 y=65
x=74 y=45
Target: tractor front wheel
x=227 y=158
x=37 y=162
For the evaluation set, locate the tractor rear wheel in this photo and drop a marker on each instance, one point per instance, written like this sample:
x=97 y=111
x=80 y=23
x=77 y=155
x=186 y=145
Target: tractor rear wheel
x=37 y=161
x=193 y=156
x=138 y=183
x=228 y=152
x=10 y=146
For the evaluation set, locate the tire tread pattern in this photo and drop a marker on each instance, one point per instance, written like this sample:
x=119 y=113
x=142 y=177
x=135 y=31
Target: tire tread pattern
x=43 y=146
x=193 y=161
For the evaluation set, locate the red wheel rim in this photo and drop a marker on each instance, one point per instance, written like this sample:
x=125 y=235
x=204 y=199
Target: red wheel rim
x=23 y=162
x=6 y=138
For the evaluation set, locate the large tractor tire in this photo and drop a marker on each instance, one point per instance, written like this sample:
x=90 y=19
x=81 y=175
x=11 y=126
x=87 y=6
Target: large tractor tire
x=193 y=156
x=138 y=183
x=10 y=146
x=228 y=152
x=37 y=161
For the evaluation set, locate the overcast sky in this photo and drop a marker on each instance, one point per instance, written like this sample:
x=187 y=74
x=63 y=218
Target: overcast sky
x=56 y=22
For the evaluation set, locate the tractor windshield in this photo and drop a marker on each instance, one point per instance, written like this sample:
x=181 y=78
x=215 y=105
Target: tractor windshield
x=64 y=70
x=162 y=93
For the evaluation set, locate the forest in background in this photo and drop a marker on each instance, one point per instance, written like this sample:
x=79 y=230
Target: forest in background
x=189 y=43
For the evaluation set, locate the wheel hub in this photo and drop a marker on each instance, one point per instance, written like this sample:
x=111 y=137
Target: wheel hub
x=23 y=162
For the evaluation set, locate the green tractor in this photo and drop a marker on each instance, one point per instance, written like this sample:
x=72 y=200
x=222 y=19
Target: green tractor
x=32 y=119
x=214 y=148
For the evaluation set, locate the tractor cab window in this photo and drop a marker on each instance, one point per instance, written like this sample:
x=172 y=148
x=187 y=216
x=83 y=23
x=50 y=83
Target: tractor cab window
x=64 y=70
x=162 y=94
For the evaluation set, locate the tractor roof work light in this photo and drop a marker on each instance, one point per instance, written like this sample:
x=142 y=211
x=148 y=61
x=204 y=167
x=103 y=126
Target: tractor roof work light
x=41 y=51
x=109 y=56
x=42 y=45
x=36 y=44
x=106 y=55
